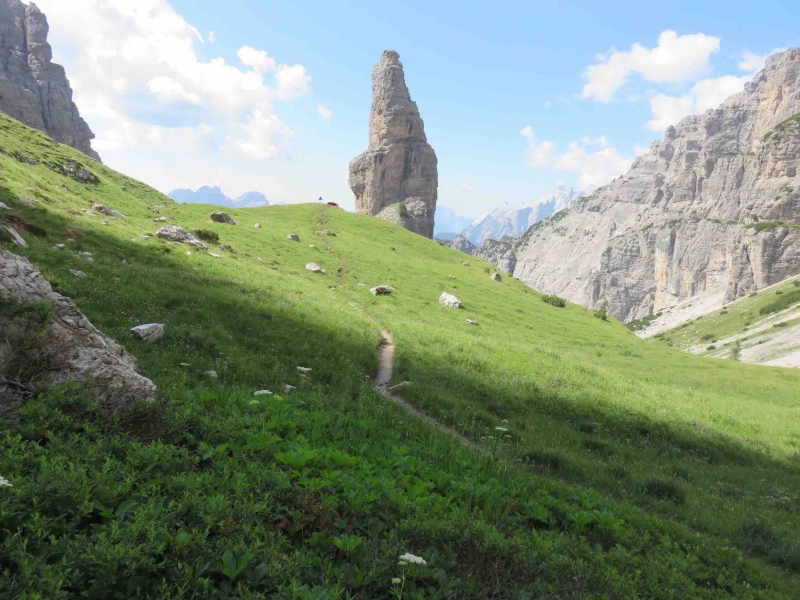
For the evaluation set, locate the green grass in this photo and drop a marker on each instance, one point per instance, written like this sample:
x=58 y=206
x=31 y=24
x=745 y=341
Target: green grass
x=628 y=469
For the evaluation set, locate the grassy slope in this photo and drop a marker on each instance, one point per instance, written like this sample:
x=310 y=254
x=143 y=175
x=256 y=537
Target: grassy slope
x=736 y=319
x=328 y=485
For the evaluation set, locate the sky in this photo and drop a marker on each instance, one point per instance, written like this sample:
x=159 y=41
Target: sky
x=516 y=97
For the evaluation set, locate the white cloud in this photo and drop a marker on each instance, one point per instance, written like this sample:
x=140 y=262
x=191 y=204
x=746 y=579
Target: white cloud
x=258 y=60
x=676 y=59
x=292 y=81
x=705 y=94
x=468 y=187
x=324 y=112
x=117 y=50
x=640 y=150
x=594 y=168
x=211 y=37
x=167 y=89
x=753 y=62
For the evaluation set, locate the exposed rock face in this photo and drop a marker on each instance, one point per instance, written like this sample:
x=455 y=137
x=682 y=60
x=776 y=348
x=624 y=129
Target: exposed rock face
x=72 y=348
x=32 y=88
x=462 y=244
x=449 y=300
x=221 y=217
x=682 y=221
x=399 y=166
x=174 y=233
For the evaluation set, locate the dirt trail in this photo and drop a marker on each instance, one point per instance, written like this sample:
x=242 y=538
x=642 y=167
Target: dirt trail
x=384 y=377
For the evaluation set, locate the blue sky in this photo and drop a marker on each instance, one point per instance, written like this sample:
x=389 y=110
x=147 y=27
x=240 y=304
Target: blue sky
x=500 y=86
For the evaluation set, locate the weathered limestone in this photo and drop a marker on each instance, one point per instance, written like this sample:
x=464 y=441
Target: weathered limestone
x=71 y=349
x=682 y=222
x=33 y=89
x=397 y=176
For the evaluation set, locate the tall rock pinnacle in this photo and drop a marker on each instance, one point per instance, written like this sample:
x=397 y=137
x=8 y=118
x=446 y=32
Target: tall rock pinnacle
x=32 y=88
x=396 y=178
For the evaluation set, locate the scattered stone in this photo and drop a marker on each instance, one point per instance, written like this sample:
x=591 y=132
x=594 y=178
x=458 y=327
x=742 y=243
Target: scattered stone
x=471 y=322
x=293 y=237
x=16 y=238
x=89 y=213
x=382 y=178
x=75 y=170
x=465 y=264
x=221 y=217
x=314 y=268
x=77 y=273
x=72 y=348
x=60 y=246
x=107 y=211
x=263 y=393
x=85 y=254
x=4 y=206
x=214 y=255
x=70 y=240
x=150 y=332
x=257 y=225
x=449 y=300
x=362 y=285
x=312 y=245
x=381 y=290
x=160 y=220
x=288 y=388
x=328 y=233
x=188 y=253
x=227 y=248
x=496 y=277
x=304 y=369
x=26 y=201
x=451 y=276
x=174 y=233
x=210 y=374
x=104 y=222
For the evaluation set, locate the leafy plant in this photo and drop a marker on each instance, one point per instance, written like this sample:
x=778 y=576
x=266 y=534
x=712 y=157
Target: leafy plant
x=212 y=237
x=554 y=300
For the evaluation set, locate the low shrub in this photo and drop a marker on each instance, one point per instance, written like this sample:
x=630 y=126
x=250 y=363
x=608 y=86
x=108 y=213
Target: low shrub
x=554 y=300
x=785 y=301
x=212 y=237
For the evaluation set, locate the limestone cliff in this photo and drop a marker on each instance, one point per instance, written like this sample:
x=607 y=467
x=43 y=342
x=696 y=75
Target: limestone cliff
x=33 y=89
x=713 y=208
x=397 y=176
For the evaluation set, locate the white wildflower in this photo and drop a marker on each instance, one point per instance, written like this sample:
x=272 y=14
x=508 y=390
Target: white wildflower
x=253 y=402
x=396 y=580
x=5 y=482
x=263 y=393
x=304 y=369
x=500 y=429
x=411 y=559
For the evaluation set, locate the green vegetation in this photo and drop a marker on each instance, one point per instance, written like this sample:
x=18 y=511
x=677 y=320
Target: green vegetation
x=785 y=301
x=554 y=300
x=212 y=237
x=770 y=225
x=626 y=468
x=643 y=322
x=602 y=312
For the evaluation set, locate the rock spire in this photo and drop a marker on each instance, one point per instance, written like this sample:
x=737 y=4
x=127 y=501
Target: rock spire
x=396 y=178
x=33 y=89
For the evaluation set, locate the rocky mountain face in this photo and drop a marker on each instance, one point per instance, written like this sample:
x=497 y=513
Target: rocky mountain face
x=449 y=223
x=515 y=219
x=396 y=178
x=33 y=89
x=214 y=195
x=712 y=209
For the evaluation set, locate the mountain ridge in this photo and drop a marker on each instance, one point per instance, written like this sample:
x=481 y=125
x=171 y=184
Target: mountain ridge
x=214 y=195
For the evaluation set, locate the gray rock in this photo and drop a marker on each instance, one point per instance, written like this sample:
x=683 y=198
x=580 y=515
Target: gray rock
x=399 y=166
x=210 y=374
x=15 y=237
x=33 y=89
x=160 y=220
x=174 y=233
x=680 y=223
x=381 y=290
x=257 y=225
x=449 y=300
x=29 y=202
x=471 y=322
x=73 y=347
x=462 y=244
x=4 y=206
x=150 y=332
x=293 y=237
x=107 y=211
x=314 y=268
x=288 y=388
x=214 y=255
x=227 y=248
x=496 y=277
x=77 y=273
x=221 y=217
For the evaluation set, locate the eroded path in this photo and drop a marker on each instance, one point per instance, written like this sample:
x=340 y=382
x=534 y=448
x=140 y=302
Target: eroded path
x=382 y=384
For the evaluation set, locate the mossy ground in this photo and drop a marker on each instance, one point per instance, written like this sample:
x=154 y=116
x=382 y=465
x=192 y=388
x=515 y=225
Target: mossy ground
x=628 y=469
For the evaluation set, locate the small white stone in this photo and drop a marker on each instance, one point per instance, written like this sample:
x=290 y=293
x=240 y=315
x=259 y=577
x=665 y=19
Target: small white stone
x=314 y=268
x=214 y=255
x=288 y=388
x=59 y=246
x=449 y=300
x=304 y=369
x=149 y=332
x=77 y=273
x=257 y=225
x=263 y=393
x=211 y=374
x=104 y=222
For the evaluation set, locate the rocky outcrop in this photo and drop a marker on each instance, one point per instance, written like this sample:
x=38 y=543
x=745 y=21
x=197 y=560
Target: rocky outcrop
x=175 y=233
x=714 y=206
x=33 y=89
x=70 y=348
x=462 y=244
x=399 y=169
x=222 y=217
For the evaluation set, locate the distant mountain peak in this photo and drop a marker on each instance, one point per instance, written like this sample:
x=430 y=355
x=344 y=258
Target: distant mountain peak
x=214 y=195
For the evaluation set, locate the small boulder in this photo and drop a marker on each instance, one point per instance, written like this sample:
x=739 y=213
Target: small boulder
x=210 y=374
x=304 y=369
x=16 y=238
x=471 y=322
x=449 y=300
x=257 y=225
x=26 y=201
x=221 y=217
x=288 y=388
x=77 y=273
x=107 y=211
x=293 y=237
x=496 y=277
x=381 y=290
x=150 y=332
x=4 y=206
x=173 y=233
x=160 y=220
x=214 y=255
x=465 y=264
x=314 y=268
x=227 y=248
